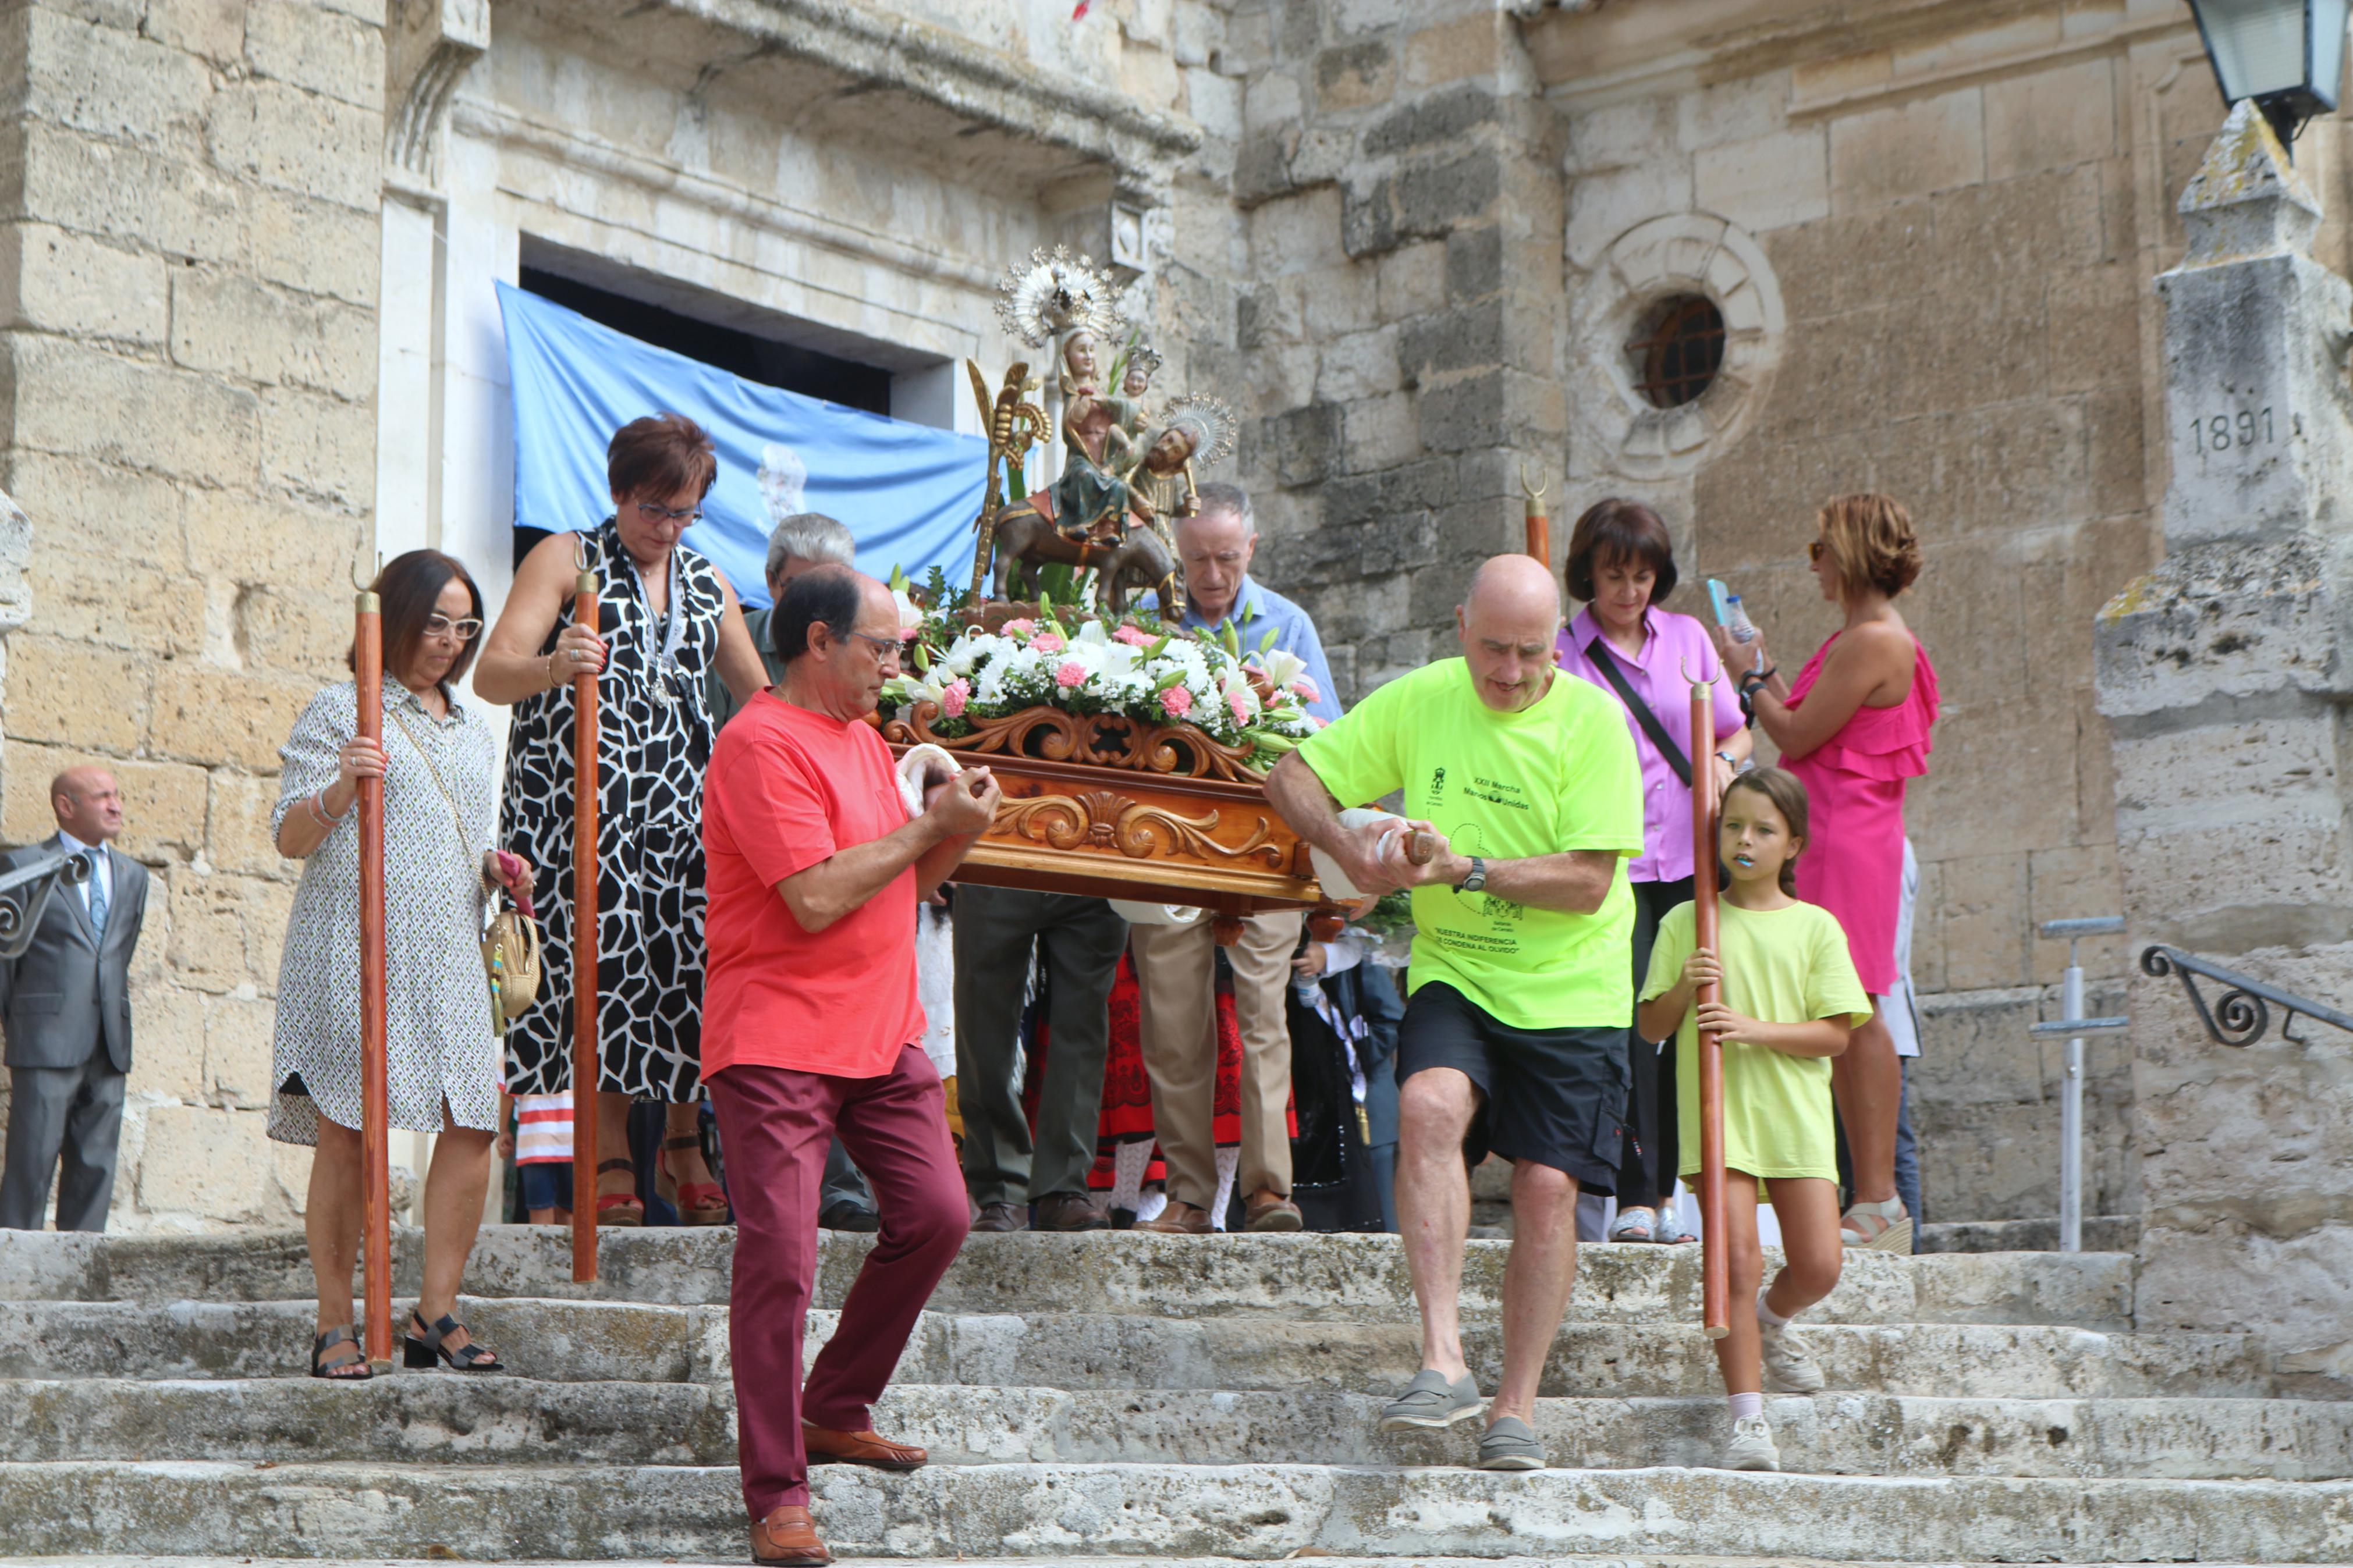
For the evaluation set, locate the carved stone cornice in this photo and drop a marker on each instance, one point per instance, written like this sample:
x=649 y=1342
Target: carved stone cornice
x=1612 y=51
x=430 y=45
x=867 y=50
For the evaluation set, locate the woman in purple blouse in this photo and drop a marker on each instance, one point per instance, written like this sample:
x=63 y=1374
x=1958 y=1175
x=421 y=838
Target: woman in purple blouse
x=1622 y=563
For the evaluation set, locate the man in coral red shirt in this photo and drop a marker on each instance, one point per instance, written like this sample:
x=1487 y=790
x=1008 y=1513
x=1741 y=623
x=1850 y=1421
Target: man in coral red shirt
x=812 y=1029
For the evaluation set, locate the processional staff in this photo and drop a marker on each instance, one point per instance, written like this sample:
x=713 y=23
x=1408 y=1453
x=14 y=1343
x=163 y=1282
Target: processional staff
x=586 y=1063
x=376 y=1110
x=1538 y=523
x=1715 y=1280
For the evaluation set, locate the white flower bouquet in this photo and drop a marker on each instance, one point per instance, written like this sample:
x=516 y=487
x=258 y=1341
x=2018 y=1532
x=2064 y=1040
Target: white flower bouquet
x=1079 y=663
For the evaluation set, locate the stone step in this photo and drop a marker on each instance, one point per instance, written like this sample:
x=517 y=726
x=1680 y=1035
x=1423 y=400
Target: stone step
x=1030 y=1512
x=583 y=1341
x=1291 y=1277
x=2102 y=1232
x=1612 y=1560
x=453 y=1419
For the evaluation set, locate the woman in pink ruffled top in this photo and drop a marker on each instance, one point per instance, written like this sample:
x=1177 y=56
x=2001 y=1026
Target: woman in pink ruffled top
x=1854 y=727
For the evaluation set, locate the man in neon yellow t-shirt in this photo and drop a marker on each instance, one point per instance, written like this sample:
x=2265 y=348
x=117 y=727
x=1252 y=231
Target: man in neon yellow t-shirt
x=1514 y=1036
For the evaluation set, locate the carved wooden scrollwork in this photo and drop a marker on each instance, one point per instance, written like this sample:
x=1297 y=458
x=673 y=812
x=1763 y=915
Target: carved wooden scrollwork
x=1101 y=740
x=1137 y=829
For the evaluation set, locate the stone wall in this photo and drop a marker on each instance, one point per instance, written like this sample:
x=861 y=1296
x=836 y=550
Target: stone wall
x=187 y=331
x=2223 y=674
x=1400 y=331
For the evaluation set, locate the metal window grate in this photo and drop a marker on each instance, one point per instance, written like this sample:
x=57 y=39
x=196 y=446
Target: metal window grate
x=1676 y=359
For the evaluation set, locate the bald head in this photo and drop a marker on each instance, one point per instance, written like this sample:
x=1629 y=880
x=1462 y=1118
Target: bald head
x=87 y=803
x=1507 y=624
x=1512 y=587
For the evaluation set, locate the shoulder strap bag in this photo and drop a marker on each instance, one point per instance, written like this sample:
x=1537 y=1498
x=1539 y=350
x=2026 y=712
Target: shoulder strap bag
x=1606 y=663
x=511 y=945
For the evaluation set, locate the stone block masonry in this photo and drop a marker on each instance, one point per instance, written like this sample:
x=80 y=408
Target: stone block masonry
x=2222 y=672
x=187 y=369
x=1401 y=316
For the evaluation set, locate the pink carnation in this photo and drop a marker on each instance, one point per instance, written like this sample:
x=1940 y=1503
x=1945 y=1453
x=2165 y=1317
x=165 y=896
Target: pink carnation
x=953 y=698
x=1239 y=702
x=1176 y=702
x=1304 y=690
x=1011 y=626
x=1070 y=673
x=1133 y=638
x=1047 y=642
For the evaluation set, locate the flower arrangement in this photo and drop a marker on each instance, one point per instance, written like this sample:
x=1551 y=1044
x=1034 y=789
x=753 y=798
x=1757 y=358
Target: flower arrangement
x=1084 y=663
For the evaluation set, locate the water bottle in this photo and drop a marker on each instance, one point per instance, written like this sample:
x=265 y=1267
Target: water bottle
x=1736 y=624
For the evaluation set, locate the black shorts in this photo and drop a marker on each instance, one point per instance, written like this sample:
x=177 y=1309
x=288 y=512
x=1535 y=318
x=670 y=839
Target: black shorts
x=1554 y=1096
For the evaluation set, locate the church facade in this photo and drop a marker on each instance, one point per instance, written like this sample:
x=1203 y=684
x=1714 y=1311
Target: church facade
x=1729 y=256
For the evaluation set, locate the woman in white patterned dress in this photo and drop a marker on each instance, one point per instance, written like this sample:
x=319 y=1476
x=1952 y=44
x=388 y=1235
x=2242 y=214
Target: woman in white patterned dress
x=440 y=809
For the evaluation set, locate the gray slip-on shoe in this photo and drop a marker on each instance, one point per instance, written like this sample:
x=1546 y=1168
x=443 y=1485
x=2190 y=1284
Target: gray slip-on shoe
x=1431 y=1403
x=1508 y=1445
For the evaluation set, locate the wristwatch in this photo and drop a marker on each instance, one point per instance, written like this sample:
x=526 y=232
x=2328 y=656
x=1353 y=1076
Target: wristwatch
x=1476 y=880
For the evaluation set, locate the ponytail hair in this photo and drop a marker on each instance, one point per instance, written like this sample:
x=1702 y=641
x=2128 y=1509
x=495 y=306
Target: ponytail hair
x=1781 y=790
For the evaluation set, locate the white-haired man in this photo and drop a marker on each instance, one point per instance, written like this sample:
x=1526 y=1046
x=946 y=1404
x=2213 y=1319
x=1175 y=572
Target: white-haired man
x=1176 y=966
x=798 y=543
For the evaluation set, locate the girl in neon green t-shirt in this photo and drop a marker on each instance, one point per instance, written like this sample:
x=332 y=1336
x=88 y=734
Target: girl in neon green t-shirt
x=1790 y=998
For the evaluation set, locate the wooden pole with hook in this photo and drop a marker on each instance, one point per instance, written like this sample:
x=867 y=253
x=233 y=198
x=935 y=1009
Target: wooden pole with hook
x=1539 y=522
x=1715 y=1278
x=586 y=1065
x=375 y=1100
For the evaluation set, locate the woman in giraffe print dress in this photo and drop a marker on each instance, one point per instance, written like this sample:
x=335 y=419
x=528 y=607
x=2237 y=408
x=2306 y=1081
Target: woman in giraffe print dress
x=667 y=618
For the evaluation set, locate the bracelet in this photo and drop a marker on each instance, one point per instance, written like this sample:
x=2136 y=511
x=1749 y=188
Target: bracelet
x=547 y=662
x=318 y=805
x=1757 y=677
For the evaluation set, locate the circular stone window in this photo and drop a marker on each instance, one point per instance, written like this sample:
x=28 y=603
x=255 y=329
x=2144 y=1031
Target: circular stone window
x=1676 y=332
x=1681 y=349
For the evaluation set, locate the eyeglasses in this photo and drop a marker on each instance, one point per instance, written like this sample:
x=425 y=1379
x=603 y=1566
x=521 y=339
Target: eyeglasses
x=442 y=626
x=653 y=513
x=1814 y=550
x=884 y=648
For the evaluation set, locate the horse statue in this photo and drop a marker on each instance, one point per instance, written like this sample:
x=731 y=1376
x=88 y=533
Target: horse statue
x=1137 y=558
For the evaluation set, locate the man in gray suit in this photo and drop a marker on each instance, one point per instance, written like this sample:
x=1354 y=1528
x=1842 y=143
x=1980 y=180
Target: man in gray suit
x=66 y=1008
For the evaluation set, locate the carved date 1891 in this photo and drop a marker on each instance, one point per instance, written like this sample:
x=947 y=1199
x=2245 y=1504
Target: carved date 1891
x=2218 y=433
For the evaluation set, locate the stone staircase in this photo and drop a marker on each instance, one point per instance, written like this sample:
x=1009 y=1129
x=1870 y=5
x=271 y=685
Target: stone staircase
x=1122 y=1396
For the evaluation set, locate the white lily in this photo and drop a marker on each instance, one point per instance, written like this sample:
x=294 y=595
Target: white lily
x=910 y=614
x=1282 y=666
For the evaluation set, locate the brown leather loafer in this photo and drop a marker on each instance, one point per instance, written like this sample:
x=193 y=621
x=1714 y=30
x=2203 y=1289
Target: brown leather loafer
x=1272 y=1213
x=997 y=1218
x=1179 y=1219
x=1070 y=1211
x=787 y=1538
x=826 y=1446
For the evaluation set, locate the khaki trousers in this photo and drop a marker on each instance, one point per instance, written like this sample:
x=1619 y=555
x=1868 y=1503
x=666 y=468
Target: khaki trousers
x=1176 y=970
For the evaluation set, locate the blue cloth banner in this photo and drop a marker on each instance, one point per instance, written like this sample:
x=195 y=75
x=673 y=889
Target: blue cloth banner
x=908 y=492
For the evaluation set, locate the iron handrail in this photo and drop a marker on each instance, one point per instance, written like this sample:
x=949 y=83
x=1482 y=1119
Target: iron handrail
x=19 y=918
x=2241 y=1014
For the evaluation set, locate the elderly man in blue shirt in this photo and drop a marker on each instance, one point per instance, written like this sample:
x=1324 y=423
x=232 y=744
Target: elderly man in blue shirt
x=1176 y=965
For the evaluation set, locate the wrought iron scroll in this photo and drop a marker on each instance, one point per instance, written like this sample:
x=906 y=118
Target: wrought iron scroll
x=25 y=893
x=2241 y=1014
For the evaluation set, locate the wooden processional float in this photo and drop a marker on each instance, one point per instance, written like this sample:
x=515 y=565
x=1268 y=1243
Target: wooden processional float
x=375 y=1100
x=587 y=1063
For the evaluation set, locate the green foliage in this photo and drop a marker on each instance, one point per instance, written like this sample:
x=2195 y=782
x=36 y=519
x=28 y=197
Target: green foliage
x=1392 y=913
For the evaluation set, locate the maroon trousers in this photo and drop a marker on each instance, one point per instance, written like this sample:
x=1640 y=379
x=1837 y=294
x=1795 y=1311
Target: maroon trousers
x=775 y=1125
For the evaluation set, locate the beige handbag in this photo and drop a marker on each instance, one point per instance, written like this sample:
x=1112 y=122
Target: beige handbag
x=511 y=955
x=511 y=946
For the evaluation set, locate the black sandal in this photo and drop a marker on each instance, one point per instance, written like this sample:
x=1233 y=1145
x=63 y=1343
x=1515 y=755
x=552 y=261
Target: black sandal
x=423 y=1350
x=320 y=1367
